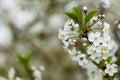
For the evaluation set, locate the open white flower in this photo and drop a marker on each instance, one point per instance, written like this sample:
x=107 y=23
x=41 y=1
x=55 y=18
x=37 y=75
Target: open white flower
x=95 y=37
x=94 y=52
x=81 y=59
x=111 y=69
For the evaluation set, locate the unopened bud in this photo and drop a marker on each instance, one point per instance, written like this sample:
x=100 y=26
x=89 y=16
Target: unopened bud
x=99 y=16
x=85 y=9
x=74 y=40
x=85 y=44
x=103 y=16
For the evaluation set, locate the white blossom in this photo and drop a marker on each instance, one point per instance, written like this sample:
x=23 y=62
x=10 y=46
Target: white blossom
x=11 y=73
x=111 y=69
x=95 y=38
x=81 y=59
x=94 y=52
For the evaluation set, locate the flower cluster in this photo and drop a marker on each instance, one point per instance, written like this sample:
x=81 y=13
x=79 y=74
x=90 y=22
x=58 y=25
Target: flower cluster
x=87 y=39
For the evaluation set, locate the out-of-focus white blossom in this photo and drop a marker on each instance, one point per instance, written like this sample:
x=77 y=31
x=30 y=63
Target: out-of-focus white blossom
x=2 y=78
x=42 y=68
x=55 y=21
x=17 y=78
x=70 y=5
x=105 y=3
x=11 y=74
x=22 y=18
x=5 y=35
x=8 y=4
x=118 y=26
x=37 y=75
x=37 y=28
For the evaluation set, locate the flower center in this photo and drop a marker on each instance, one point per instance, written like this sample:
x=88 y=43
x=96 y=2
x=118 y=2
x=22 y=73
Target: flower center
x=96 y=38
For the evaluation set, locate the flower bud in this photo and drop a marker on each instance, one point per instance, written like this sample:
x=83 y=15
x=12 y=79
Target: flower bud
x=85 y=9
x=85 y=44
x=103 y=16
x=99 y=16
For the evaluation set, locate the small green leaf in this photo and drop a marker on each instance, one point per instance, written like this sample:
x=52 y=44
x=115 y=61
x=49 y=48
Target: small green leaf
x=109 y=59
x=24 y=60
x=72 y=16
x=28 y=57
x=78 y=13
x=90 y=16
x=111 y=77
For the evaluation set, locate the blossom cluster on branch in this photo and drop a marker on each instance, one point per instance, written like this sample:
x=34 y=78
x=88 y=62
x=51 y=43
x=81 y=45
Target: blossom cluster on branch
x=86 y=37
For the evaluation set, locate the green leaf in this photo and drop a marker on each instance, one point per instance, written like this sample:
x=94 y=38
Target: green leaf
x=111 y=77
x=78 y=13
x=109 y=59
x=72 y=16
x=24 y=60
x=90 y=16
x=28 y=57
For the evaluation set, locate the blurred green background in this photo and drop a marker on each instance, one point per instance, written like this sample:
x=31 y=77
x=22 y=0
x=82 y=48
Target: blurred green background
x=32 y=25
